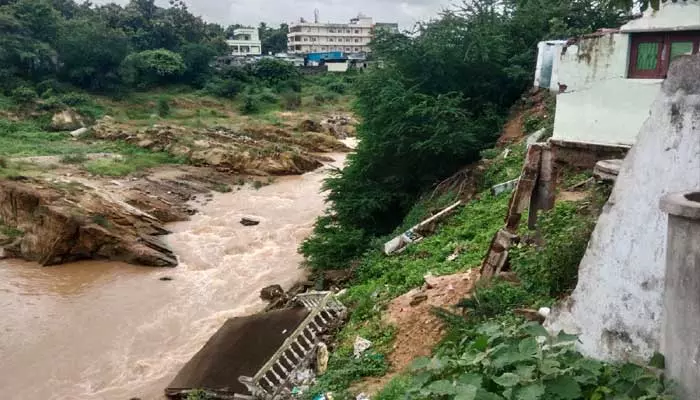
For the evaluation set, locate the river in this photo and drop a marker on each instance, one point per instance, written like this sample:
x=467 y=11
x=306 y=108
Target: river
x=99 y=330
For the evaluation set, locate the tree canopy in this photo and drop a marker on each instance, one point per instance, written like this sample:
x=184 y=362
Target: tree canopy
x=88 y=46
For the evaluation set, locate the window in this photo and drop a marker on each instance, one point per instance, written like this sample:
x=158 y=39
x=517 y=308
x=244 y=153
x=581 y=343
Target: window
x=652 y=53
x=313 y=39
x=356 y=50
x=306 y=39
x=330 y=39
x=357 y=40
x=347 y=49
x=347 y=31
x=357 y=31
x=331 y=30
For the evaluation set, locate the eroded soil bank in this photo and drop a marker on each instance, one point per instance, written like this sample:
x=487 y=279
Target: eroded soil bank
x=99 y=330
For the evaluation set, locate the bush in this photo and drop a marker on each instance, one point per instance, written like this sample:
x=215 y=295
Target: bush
x=321 y=99
x=552 y=269
x=495 y=299
x=227 y=88
x=152 y=67
x=23 y=95
x=275 y=71
x=73 y=99
x=163 y=107
x=251 y=105
x=338 y=87
x=291 y=100
x=331 y=245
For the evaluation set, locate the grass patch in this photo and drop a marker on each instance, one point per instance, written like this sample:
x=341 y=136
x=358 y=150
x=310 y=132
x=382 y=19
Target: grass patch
x=134 y=159
x=222 y=188
x=77 y=158
x=9 y=231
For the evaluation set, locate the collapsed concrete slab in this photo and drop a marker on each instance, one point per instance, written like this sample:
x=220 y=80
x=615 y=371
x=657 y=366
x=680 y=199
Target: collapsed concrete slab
x=617 y=305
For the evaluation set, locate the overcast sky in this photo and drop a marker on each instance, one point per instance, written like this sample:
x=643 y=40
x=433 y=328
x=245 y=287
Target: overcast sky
x=252 y=12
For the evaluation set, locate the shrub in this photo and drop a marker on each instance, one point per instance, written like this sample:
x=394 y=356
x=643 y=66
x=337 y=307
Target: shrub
x=332 y=245
x=75 y=99
x=227 y=88
x=494 y=299
x=552 y=269
x=291 y=100
x=152 y=67
x=338 y=87
x=274 y=71
x=251 y=105
x=267 y=96
x=163 y=107
x=23 y=95
x=324 y=98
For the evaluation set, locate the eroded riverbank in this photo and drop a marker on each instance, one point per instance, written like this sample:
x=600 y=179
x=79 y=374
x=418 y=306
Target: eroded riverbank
x=98 y=330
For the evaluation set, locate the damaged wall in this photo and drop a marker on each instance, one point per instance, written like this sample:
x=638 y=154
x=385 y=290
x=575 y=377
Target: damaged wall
x=616 y=307
x=599 y=103
x=672 y=16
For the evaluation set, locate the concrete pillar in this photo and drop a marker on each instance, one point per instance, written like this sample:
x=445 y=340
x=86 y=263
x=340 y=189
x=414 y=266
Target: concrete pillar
x=681 y=320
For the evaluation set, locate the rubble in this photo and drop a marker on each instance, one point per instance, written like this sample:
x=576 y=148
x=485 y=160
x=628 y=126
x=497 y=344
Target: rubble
x=360 y=346
x=414 y=235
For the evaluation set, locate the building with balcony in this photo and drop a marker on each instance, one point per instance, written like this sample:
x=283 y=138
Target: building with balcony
x=312 y=37
x=245 y=42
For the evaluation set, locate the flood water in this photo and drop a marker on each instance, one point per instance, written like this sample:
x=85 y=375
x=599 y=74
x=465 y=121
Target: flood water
x=98 y=330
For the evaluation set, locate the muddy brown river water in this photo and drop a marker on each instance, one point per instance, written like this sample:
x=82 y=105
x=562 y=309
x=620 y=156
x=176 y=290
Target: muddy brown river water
x=97 y=330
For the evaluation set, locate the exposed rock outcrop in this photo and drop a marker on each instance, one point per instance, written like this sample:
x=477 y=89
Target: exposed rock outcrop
x=67 y=120
x=257 y=150
x=64 y=222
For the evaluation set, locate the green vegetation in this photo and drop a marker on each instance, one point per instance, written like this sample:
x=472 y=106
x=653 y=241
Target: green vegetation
x=422 y=119
x=132 y=160
x=502 y=360
x=9 y=232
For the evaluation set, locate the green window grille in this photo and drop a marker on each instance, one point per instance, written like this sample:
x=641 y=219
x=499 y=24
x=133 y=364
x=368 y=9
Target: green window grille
x=680 y=49
x=647 y=56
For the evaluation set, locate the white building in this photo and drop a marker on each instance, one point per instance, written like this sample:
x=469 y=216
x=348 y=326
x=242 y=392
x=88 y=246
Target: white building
x=607 y=81
x=245 y=42
x=311 y=37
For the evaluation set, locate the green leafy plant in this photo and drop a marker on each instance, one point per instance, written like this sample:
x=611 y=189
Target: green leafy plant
x=495 y=298
x=251 y=105
x=163 y=107
x=502 y=361
x=23 y=95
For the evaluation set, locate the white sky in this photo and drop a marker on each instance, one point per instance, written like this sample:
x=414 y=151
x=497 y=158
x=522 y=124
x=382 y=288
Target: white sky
x=252 y=12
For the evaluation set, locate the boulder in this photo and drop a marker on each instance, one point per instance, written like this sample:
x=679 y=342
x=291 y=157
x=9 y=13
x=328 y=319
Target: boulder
x=79 y=132
x=308 y=125
x=67 y=120
x=271 y=293
x=245 y=221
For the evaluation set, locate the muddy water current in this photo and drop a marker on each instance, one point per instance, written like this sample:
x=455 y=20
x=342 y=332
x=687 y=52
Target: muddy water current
x=98 y=330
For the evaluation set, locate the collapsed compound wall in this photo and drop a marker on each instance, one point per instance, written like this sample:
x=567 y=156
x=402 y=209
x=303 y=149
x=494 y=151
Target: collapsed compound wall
x=616 y=307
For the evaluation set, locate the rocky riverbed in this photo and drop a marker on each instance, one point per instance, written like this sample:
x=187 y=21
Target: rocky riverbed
x=64 y=214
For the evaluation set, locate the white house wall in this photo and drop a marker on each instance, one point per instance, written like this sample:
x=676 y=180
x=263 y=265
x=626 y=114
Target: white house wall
x=598 y=104
x=616 y=307
x=609 y=113
x=672 y=16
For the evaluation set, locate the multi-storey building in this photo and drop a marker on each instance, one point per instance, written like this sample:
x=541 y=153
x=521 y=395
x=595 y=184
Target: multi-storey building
x=311 y=37
x=245 y=42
